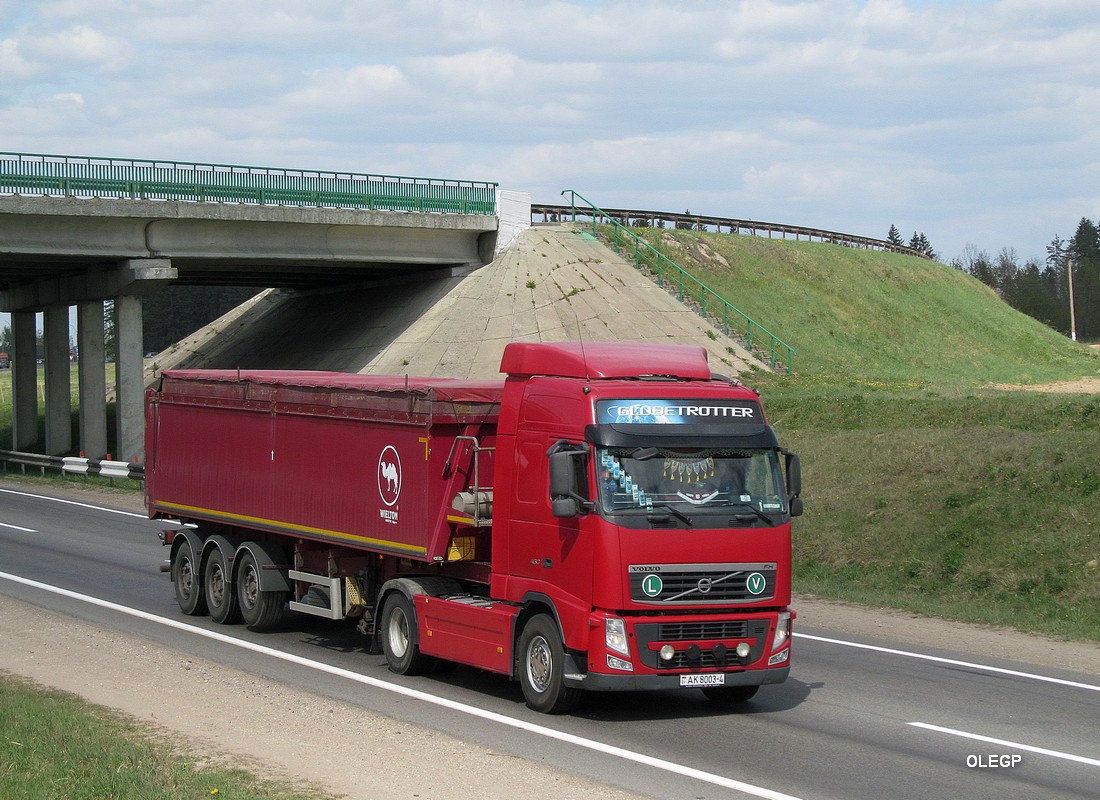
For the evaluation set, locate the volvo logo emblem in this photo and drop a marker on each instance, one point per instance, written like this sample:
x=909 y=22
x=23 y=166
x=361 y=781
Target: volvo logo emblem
x=704 y=585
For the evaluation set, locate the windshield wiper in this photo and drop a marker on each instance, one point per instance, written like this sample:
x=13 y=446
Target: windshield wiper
x=675 y=512
x=754 y=510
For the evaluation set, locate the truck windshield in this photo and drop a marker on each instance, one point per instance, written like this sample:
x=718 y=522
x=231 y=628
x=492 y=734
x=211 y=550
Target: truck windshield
x=643 y=478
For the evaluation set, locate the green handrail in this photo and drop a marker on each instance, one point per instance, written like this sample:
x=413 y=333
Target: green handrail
x=653 y=260
x=85 y=176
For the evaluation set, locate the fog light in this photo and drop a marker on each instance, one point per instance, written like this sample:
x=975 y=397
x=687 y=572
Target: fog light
x=618 y=663
x=743 y=649
x=668 y=652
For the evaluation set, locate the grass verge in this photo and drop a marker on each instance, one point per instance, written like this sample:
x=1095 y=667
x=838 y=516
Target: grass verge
x=55 y=745
x=978 y=506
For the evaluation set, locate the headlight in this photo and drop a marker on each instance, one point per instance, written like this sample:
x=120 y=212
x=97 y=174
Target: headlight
x=782 y=631
x=615 y=636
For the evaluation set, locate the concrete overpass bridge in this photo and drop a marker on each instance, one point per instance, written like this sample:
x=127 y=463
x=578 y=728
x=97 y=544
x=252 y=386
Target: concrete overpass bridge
x=78 y=231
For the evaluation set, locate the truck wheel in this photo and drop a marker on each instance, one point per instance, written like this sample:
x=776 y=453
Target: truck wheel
x=399 y=638
x=730 y=694
x=541 y=668
x=186 y=580
x=220 y=597
x=261 y=610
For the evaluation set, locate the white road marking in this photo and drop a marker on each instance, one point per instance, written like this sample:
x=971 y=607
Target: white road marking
x=74 y=503
x=491 y=716
x=1092 y=762
x=953 y=662
x=17 y=528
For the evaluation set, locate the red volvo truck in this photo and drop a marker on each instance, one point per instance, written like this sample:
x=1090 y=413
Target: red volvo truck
x=609 y=517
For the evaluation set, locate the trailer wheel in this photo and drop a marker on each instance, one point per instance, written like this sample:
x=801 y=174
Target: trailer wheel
x=220 y=597
x=541 y=668
x=261 y=610
x=730 y=694
x=399 y=638
x=187 y=582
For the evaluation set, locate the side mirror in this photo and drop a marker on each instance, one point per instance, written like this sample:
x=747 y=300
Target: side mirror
x=794 y=482
x=567 y=480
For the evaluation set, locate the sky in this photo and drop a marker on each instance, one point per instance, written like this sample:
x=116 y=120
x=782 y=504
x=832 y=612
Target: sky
x=976 y=123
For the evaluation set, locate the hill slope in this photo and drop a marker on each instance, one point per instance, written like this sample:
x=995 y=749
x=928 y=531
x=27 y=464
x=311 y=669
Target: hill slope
x=875 y=315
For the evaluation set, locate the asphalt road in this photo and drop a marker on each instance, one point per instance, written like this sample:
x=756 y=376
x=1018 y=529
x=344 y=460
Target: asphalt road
x=858 y=719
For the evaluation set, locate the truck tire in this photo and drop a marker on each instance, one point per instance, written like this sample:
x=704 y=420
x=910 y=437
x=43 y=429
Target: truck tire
x=261 y=610
x=220 y=597
x=730 y=694
x=187 y=582
x=541 y=667
x=400 y=640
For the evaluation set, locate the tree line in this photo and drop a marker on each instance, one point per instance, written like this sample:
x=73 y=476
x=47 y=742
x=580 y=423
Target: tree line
x=1041 y=289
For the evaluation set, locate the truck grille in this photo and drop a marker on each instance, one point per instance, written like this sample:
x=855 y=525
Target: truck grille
x=706 y=636
x=701 y=584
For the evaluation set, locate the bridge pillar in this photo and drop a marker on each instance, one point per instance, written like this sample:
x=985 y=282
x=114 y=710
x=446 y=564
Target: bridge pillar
x=92 y=379
x=129 y=380
x=24 y=379
x=59 y=426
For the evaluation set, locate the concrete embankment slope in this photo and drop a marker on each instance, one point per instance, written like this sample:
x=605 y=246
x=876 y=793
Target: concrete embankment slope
x=552 y=283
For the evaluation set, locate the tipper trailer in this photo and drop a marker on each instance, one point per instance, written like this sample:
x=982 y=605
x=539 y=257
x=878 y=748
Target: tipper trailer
x=608 y=517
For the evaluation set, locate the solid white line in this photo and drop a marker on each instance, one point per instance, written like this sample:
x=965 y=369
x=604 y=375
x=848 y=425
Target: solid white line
x=491 y=716
x=953 y=662
x=1092 y=762
x=73 y=503
x=17 y=528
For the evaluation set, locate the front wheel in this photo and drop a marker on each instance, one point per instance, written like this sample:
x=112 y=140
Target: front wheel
x=400 y=642
x=730 y=694
x=261 y=610
x=542 y=666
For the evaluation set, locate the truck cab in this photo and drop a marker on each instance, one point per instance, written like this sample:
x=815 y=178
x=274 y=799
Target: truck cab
x=643 y=505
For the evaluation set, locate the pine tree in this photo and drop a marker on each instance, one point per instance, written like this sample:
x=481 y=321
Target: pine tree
x=894 y=237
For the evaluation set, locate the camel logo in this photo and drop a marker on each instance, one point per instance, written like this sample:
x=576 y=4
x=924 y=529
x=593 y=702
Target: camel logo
x=389 y=476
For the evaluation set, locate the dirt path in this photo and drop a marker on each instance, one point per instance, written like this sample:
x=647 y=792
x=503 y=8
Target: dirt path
x=1080 y=386
x=358 y=754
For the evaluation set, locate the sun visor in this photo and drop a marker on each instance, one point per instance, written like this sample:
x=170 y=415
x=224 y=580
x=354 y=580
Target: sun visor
x=681 y=423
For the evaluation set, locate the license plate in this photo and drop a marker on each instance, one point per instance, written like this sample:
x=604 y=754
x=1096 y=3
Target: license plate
x=714 y=679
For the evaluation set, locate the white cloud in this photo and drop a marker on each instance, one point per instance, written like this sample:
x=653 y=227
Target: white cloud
x=946 y=116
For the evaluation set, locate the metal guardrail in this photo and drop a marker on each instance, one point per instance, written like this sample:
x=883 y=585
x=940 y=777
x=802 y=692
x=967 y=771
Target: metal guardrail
x=687 y=286
x=655 y=219
x=73 y=465
x=132 y=179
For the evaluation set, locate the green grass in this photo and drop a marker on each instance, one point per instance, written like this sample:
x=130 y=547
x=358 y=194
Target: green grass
x=876 y=316
x=926 y=489
x=74 y=394
x=977 y=507
x=54 y=745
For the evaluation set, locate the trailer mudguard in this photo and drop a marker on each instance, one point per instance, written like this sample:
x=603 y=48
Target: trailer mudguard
x=272 y=563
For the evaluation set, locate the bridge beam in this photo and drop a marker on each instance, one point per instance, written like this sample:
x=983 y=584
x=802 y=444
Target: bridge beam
x=131 y=276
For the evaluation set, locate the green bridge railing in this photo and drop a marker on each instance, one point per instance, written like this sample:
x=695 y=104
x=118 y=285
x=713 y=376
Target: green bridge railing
x=711 y=306
x=83 y=176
